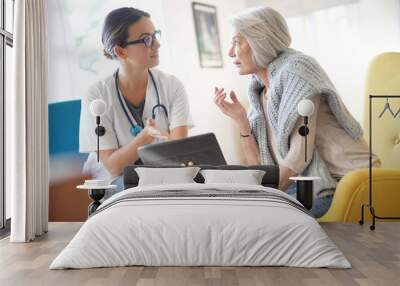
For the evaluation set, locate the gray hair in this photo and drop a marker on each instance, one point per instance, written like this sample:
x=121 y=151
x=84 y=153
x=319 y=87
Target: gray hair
x=266 y=32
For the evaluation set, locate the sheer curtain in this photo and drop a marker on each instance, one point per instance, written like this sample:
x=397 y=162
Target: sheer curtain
x=27 y=117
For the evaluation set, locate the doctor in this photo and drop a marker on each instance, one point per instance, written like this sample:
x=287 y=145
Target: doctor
x=143 y=104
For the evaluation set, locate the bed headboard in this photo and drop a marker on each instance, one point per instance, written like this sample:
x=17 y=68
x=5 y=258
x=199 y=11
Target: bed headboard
x=270 y=179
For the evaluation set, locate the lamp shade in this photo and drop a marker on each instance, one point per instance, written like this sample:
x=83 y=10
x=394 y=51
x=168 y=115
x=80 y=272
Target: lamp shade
x=305 y=107
x=98 y=107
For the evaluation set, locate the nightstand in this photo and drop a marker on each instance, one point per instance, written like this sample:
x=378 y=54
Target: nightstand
x=96 y=193
x=304 y=193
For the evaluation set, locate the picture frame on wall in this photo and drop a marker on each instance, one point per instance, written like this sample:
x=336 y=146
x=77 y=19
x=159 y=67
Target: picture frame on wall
x=207 y=35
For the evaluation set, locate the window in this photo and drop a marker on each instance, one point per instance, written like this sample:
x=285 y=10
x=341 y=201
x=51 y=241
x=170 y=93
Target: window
x=9 y=19
x=6 y=44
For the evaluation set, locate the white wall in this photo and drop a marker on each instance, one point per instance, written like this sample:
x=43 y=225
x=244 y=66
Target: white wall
x=344 y=39
x=343 y=35
x=200 y=82
x=291 y=8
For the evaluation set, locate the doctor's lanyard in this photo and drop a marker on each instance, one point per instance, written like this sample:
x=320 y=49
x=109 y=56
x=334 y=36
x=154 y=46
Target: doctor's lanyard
x=136 y=128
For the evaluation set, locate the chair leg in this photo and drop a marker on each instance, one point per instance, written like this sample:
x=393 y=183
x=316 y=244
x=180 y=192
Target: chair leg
x=361 y=222
x=372 y=227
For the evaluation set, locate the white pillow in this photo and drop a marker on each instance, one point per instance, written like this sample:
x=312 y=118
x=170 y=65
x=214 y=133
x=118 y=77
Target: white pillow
x=248 y=177
x=162 y=176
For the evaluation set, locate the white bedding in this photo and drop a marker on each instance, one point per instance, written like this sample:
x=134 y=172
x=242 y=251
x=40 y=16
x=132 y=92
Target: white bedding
x=182 y=231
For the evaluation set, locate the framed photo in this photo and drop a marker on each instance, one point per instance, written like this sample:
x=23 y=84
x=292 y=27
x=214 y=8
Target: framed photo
x=207 y=34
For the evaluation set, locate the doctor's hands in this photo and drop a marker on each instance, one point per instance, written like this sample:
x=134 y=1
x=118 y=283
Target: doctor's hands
x=152 y=132
x=234 y=109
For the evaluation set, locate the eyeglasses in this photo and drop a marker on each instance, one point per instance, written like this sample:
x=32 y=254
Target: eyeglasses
x=147 y=40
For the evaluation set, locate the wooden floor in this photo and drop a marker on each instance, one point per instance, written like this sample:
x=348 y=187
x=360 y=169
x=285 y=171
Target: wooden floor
x=375 y=257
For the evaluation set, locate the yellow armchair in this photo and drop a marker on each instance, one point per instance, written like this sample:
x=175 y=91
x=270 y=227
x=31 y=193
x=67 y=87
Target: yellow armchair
x=352 y=192
x=383 y=78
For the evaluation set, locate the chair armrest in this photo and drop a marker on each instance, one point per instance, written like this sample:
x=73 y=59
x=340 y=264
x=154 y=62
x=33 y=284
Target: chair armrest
x=352 y=191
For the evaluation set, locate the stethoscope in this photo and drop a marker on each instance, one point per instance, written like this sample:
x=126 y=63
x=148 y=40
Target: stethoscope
x=136 y=128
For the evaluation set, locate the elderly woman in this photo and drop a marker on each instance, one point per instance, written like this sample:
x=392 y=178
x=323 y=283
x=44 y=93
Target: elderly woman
x=281 y=78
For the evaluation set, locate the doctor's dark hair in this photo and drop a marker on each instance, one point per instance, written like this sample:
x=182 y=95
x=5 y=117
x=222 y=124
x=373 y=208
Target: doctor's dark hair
x=115 y=28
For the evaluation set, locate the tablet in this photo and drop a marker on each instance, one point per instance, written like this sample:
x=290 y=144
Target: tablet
x=195 y=150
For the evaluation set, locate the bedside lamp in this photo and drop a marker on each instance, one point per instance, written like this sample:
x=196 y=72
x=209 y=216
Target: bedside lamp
x=305 y=108
x=304 y=185
x=98 y=108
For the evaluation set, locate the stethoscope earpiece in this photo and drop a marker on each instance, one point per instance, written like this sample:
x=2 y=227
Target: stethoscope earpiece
x=158 y=105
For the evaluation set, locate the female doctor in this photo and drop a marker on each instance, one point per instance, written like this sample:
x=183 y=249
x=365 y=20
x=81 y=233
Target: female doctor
x=143 y=104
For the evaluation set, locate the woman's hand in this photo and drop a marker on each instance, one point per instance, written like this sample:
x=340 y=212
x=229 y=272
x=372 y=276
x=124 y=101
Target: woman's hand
x=234 y=110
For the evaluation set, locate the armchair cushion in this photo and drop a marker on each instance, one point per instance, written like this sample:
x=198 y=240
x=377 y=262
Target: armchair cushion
x=352 y=192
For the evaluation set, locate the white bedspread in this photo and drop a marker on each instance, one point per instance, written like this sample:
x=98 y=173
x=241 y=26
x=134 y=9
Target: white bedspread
x=177 y=231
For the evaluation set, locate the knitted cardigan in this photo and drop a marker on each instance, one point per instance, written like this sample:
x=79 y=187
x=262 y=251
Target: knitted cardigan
x=294 y=76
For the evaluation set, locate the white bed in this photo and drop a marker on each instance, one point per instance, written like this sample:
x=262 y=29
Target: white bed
x=224 y=225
